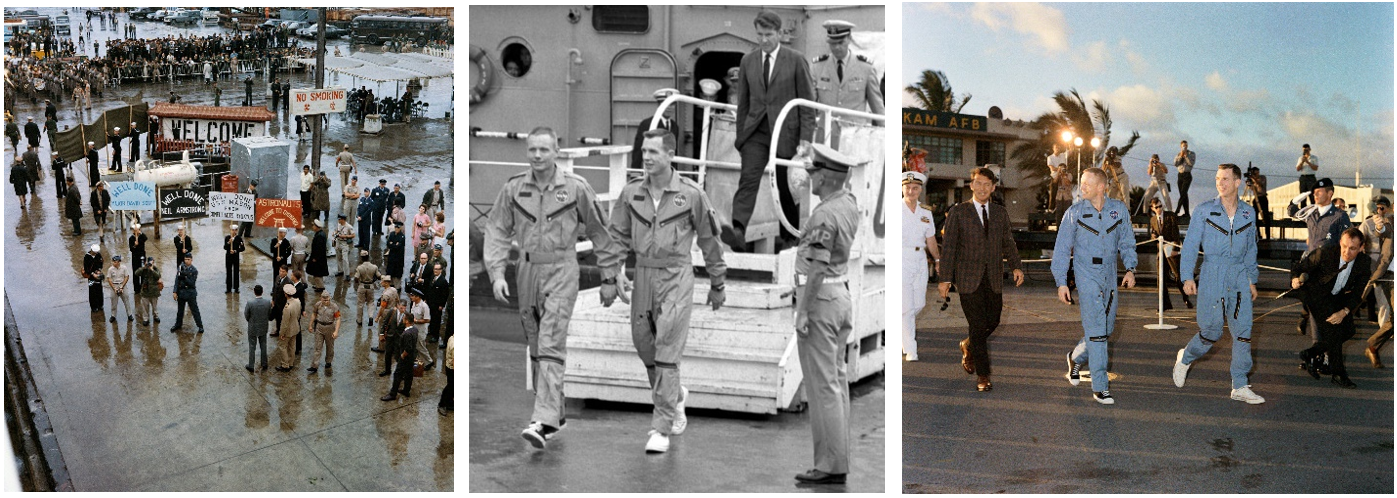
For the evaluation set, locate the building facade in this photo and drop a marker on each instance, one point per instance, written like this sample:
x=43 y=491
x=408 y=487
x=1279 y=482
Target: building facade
x=959 y=143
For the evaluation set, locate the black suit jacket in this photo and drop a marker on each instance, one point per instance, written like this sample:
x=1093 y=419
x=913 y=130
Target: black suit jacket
x=968 y=254
x=1169 y=229
x=757 y=99
x=637 y=157
x=1320 y=269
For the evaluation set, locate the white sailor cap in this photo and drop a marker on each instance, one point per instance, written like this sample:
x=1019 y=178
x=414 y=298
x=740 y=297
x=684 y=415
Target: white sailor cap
x=663 y=93
x=836 y=30
x=913 y=177
x=710 y=86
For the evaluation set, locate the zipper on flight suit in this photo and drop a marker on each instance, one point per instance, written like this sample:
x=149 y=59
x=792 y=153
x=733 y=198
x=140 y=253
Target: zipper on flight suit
x=520 y=207
x=1238 y=306
x=635 y=213
x=565 y=207
x=1089 y=228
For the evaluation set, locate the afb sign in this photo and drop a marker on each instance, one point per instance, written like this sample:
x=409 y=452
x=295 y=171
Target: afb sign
x=278 y=213
x=132 y=196
x=209 y=131
x=231 y=206
x=324 y=101
x=184 y=203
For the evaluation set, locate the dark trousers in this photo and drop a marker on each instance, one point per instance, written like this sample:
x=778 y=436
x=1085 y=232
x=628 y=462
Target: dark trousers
x=1263 y=215
x=245 y=230
x=434 y=328
x=982 y=310
x=230 y=266
x=448 y=394
x=77 y=226
x=193 y=308
x=1185 y=179
x=1307 y=184
x=60 y=185
x=754 y=153
x=253 y=343
x=390 y=351
x=365 y=234
x=1172 y=277
x=378 y=222
x=402 y=377
x=1329 y=339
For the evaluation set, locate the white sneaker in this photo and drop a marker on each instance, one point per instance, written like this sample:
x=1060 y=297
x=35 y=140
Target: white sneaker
x=1074 y=371
x=1246 y=394
x=658 y=443
x=534 y=435
x=1104 y=397
x=1180 y=370
x=910 y=357
x=681 y=421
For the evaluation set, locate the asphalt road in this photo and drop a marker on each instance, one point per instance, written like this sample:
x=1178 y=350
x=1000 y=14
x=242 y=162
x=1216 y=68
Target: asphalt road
x=1035 y=433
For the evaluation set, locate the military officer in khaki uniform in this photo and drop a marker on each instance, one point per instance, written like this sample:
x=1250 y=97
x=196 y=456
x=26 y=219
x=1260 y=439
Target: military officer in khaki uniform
x=366 y=277
x=387 y=302
x=659 y=216
x=325 y=328
x=823 y=313
x=543 y=210
x=290 y=327
x=344 y=243
x=843 y=79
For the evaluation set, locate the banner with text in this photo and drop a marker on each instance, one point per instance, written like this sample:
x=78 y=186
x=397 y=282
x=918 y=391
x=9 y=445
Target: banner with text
x=132 y=196
x=231 y=206
x=278 y=213
x=184 y=202
x=209 y=131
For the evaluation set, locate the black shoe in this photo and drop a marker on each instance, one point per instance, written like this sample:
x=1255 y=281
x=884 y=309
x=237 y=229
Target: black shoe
x=130 y=318
x=312 y=369
x=264 y=368
x=201 y=330
x=1308 y=364
x=442 y=345
x=1343 y=382
x=383 y=373
x=113 y=319
x=283 y=369
x=371 y=322
x=157 y=318
x=174 y=328
x=405 y=393
x=237 y=291
x=249 y=367
x=327 y=366
x=145 y=323
x=274 y=334
x=814 y=476
x=1188 y=303
x=376 y=350
x=389 y=397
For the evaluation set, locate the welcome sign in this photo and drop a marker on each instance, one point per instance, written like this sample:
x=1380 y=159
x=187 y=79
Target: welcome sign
x=209 y=131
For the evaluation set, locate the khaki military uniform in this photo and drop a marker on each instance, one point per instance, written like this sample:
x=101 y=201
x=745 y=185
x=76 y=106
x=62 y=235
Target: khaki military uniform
x=366 y=278
x=545 y=219
x=387 y=301
x=344 y=247
x=661 y=232
x=824 y=248
x=859 y=90
x=290 y=329
x=324 y=313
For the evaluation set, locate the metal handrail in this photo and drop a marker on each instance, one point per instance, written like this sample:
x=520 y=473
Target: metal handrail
x=772 y=161
x=708 y=105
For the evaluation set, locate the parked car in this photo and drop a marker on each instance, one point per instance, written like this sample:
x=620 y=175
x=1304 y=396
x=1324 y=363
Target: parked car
x=331 y=31
x=143 y=13
x=184 y=17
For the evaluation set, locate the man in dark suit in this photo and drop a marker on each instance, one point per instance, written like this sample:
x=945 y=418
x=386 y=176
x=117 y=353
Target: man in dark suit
x=977 y=241
x=256 y=312
x=770 y=76
x=1330 y=284
x=1165 y=223
x=1323 y=224
x=666 y=122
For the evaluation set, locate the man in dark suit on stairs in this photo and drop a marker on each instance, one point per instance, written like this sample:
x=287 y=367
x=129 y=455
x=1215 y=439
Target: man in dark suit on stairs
x=770 y=77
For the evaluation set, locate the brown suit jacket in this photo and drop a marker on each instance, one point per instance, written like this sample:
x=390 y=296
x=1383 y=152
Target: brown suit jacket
x=968 y=253
x=1170 y=228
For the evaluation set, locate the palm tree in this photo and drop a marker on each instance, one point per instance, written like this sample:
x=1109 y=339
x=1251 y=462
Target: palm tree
x=933 y=93
x=1075 y=116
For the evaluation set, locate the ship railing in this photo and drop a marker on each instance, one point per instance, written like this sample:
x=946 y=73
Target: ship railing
x=828 y=113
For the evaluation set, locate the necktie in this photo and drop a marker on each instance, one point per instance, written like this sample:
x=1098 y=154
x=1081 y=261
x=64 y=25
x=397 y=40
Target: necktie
x=1339 y=280
x=766 y=69
x=985 y=220
x=839 y=70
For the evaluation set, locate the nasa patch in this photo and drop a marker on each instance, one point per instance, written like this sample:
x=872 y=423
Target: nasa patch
x=561 y=196
x=1115 y=215
x=681 y=200
x=1246 y=215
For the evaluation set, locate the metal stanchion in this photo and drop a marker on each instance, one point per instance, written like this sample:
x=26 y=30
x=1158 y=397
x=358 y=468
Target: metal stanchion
x=1162 y=261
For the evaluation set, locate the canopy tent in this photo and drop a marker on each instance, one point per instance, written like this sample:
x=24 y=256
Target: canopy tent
x=331 y=62
x=383 y=68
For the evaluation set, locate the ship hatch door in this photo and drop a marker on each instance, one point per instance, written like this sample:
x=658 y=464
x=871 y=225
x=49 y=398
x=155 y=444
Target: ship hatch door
x=635 y=75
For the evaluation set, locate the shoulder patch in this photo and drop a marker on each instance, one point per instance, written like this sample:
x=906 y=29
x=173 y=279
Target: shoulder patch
x=690 y=182
x=821 y=58
x=520 y=175
x=926 y=207
x=862 y=58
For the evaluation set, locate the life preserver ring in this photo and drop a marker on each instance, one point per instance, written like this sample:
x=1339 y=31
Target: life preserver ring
x=487 y=74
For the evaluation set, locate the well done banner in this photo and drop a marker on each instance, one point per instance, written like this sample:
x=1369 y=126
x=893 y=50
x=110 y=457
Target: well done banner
x=231 y=206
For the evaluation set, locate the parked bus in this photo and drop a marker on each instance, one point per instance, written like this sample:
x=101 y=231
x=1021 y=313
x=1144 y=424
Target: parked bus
x=12 y=28
x=373 y=29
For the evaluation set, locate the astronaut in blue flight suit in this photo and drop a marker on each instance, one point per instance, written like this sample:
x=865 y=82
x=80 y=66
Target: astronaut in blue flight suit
x=1094 y=232
x=1224 y=229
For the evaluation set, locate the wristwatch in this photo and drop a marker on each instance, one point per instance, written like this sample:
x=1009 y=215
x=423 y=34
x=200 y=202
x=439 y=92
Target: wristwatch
x=609 y=281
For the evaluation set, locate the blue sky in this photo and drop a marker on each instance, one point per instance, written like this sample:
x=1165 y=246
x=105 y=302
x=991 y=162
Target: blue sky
x=1240 y=81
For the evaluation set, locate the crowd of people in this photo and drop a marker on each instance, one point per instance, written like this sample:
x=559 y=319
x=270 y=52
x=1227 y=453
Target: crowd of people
x=1341 y=267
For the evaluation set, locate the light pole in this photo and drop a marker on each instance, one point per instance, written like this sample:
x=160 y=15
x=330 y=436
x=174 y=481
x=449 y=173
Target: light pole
x=1078 y=142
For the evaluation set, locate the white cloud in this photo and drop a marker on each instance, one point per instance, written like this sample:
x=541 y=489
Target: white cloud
x=1044 y=24
x=1094 y=59
x=1256 y=101
x=1139 y=106
x=1215 y=81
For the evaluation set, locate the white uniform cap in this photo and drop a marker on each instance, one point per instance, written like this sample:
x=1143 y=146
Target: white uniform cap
x=913 y=177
